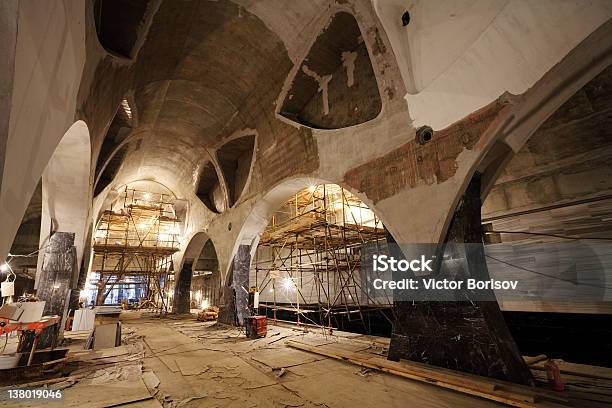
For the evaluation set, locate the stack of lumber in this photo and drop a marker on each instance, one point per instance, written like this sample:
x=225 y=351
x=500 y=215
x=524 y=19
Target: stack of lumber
x=211 y=313
x=491 y=389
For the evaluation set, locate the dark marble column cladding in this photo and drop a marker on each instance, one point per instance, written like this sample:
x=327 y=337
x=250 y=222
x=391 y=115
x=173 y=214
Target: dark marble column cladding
x=182 y=297
x=242 y=265
x=235 y=295
x=57 y=270
x=468 y=336
x=227 y=309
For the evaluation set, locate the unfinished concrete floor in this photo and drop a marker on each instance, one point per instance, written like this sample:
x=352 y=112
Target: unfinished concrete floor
x=180 y=362
x=205 y=365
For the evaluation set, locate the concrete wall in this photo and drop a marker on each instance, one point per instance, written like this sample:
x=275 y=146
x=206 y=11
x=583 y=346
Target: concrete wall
x=286 y=153
x=49 y=59
x=311 y=290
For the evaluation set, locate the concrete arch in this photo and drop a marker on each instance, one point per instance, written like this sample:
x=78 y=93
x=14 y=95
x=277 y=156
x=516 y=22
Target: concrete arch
x=66 y=190
x=261 y=213
x=488 y=48
x=194 y=248
x=515 y=126
x=235 y=276
x=184 y=271
x=111 y=194
x=123 y=145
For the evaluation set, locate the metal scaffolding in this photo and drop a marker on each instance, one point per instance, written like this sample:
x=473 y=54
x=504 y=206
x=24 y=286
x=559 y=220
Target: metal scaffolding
x=133 y=246
x=313 y=246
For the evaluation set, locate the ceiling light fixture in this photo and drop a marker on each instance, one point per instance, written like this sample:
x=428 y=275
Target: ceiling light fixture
x=126 y=108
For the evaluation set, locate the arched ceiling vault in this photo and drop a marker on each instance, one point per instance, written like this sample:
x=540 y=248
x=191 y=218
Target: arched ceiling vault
x=205 y=71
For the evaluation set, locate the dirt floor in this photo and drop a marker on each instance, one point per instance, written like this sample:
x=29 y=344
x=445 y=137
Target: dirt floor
x=185 y=363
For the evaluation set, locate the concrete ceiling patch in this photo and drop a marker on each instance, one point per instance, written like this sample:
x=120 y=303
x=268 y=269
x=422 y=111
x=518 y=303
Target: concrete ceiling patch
x=456 y=57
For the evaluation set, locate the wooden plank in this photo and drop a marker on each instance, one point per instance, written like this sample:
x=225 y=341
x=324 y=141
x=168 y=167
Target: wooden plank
x=459 y=383
x=535 y=359
x=413 y=367
x=106 y=395
x=105 y=336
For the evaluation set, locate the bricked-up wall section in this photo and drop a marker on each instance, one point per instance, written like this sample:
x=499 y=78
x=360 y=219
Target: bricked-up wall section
x=412 y=164
x=294 y=152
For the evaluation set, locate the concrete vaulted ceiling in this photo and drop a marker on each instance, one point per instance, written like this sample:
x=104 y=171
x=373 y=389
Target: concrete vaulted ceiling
x=202 y=71
x=205 y=71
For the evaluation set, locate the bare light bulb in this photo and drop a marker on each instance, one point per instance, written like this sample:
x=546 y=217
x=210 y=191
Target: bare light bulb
x=288 y=284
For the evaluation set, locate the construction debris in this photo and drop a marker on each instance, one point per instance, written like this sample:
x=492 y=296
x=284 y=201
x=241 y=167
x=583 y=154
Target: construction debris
x=150 y=379
x=208 y=314
x=165 y=363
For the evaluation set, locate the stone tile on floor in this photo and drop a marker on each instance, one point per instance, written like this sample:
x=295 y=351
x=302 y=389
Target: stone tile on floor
x=283 y=357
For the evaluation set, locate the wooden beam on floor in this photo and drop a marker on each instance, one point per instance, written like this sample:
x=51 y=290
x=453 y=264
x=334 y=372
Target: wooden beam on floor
x=494 y=390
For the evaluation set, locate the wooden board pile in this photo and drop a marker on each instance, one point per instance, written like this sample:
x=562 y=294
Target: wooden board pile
x=210 y=313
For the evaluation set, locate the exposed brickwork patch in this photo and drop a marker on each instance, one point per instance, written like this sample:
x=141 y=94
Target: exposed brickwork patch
x=294 y=153
x=411 y=164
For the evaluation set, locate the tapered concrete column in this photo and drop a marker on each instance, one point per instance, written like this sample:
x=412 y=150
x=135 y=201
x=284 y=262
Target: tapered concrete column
x=468 y=335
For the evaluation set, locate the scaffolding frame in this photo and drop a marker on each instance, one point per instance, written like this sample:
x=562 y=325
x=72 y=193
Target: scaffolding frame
x=134 y=245
x=316 y=238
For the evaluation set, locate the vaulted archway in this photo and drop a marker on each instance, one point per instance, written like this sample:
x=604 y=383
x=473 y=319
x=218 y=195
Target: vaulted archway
x=198 y=280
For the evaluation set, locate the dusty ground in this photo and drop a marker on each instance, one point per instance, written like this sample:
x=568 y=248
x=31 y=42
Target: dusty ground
x=216 y=366
x=185 y=363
